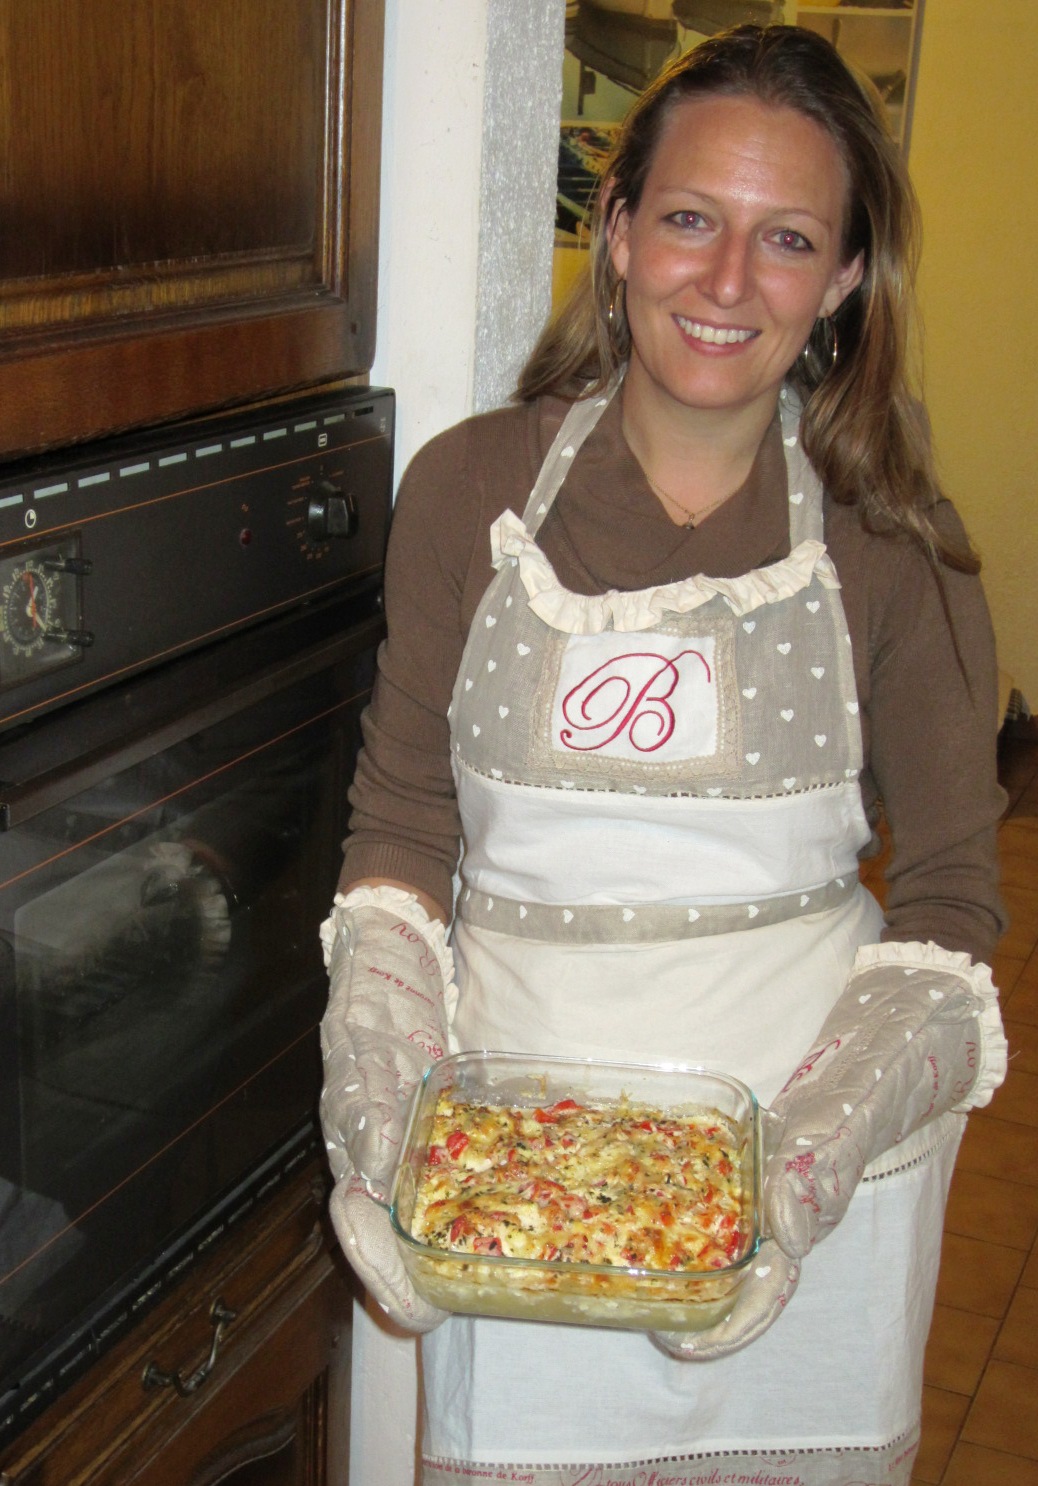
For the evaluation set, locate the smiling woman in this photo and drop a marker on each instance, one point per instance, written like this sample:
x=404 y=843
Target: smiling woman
x=735 y=249
x=662 y=634
x=862 y=427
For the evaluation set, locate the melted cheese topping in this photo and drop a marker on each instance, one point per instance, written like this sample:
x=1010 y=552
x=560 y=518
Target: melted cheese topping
x=625 y=1185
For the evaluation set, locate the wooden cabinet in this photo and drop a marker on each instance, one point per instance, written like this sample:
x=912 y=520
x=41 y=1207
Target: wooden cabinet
x=190 y=223
x=273 y=1407
x=190 y=207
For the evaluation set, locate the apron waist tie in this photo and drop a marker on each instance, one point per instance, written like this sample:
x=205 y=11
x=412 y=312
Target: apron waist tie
x=643 y=923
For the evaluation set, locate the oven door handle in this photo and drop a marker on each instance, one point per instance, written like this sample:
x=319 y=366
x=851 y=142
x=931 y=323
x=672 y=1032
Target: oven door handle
x=20 y=802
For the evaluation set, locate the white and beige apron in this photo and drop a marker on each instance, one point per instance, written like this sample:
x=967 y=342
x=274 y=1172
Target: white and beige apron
x=662 y=819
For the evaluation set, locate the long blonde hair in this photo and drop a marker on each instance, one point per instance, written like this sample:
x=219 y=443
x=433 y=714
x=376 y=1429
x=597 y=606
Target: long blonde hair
x=862 y=428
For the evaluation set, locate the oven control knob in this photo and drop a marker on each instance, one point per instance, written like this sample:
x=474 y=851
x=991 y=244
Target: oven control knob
x=83 y=638
x=331 y=512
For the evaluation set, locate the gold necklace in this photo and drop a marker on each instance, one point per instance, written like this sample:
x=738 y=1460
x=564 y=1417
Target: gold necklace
x=694 y=517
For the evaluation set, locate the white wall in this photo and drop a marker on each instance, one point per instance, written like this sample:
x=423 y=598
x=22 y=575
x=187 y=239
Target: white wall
x=470 y=137
x=470 y=134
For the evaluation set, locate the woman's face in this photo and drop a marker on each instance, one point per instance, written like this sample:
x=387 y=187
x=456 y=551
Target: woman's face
x=732 y=253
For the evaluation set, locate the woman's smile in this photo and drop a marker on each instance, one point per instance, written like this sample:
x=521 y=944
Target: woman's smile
x=714 y=335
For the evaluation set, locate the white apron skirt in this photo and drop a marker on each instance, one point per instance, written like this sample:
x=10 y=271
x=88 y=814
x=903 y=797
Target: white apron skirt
x=841 y=1370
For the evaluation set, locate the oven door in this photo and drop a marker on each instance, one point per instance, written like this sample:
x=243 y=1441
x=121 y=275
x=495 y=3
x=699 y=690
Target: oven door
x=171 y=848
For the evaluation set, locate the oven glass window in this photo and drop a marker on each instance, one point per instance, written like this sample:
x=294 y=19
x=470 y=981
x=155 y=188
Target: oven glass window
x=160 y=989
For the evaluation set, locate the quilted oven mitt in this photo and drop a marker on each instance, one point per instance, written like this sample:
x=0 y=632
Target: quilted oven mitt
x=915 y=1034
x=391 y=992
x=759 y=1301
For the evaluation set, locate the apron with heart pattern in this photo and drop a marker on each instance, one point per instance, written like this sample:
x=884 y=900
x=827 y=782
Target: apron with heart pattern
x=661 y=822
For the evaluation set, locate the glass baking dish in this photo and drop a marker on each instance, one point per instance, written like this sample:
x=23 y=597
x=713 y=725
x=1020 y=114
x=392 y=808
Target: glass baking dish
x=562 y=1290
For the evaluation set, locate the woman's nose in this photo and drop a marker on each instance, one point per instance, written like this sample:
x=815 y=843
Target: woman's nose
x=729 y=272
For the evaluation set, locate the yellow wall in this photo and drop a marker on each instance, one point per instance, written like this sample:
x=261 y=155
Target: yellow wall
x=974 y=160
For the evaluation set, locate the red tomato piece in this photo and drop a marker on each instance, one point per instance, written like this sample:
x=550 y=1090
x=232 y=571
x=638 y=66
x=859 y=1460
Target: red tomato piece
x=487 y=1245
x=457 y=1140
x=551 y=1116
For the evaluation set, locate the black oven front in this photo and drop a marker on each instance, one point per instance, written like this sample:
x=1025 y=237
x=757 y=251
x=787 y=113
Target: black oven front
x=171 y=842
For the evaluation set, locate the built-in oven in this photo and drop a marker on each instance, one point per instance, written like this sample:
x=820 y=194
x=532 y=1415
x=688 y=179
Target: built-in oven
x=188 y=639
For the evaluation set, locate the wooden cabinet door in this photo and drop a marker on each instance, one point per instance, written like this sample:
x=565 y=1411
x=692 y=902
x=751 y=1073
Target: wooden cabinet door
x=190 y=201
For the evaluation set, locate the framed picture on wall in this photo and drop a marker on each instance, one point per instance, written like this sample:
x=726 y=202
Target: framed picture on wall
x=882 y=41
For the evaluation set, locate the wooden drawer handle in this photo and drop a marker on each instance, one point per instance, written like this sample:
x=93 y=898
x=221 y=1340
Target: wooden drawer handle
x=154 y=1377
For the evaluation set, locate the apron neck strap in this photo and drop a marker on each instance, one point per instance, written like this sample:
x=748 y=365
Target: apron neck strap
x=805 y=491
x=576 y=426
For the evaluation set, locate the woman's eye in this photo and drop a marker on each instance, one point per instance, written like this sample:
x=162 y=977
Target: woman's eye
x=687 y=219
x=794 y=241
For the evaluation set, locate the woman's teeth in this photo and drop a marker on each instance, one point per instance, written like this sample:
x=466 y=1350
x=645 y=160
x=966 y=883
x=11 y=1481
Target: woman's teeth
x=712 y=335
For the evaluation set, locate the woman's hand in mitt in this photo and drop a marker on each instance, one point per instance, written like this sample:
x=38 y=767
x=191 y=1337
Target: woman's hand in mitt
x=390 y=994
x=915 y=1034
x=760 y=1300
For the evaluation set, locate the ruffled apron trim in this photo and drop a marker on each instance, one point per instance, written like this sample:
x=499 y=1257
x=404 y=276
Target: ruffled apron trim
x=647 y=923
x=406 y=906
x=993 y=1052
x=591 y=614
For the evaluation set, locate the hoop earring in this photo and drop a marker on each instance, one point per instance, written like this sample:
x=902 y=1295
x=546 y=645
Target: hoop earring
x=828 y=327
x=615 y=300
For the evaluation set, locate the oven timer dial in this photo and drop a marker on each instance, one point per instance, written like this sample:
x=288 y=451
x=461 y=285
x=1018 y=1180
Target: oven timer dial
x=40 y=612
x=331 y=512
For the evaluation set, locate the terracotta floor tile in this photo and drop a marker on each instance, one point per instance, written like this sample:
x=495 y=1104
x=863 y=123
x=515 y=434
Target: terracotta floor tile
x=876 y=884
x=1016 y=827
x=1017 y=1339
x=1017 y=1099
x=988 y=1291
x=943 y=1415
x=1003 y=1415
x=972 y=1465
x=1005 y=972
x=978 y=1277
x=973 y=1201
x=1018 y=854
x=1029 y=1276
x=959 y=1346
x=1023 y=1045
x=1022 y=903
x=1000 y=1148
x=1022 y=1002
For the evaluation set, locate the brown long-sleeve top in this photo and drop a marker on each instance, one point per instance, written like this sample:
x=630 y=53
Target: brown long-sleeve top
x=928 y=714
